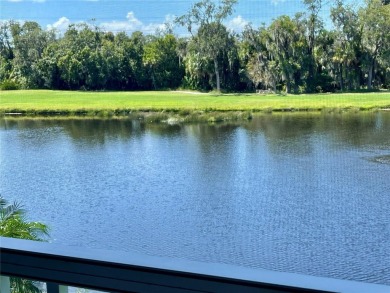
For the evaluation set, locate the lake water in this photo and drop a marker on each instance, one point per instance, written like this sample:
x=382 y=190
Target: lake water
x=303 y=193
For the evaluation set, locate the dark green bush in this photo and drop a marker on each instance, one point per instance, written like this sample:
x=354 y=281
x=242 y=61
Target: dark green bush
x=8 y=85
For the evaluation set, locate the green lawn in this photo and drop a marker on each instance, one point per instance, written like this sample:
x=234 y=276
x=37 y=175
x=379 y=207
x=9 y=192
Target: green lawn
x=39 y=101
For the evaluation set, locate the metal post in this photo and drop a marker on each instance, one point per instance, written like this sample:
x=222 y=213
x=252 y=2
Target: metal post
x=5 y=285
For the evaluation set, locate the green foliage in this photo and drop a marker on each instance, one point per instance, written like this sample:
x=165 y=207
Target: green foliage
x=8 y=85
x=13 y=224
x=29 y=42
x=212 y=62
x=24 y=286
x=312 y=24
x=324 y=83
x=375 y=19
x=286 y=42
x=345 y=49
x=212 y=38
x=296 y=54
x=162 y=61
x=261 y=69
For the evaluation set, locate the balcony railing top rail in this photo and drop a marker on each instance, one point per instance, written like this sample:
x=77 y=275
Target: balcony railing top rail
x=115 y=271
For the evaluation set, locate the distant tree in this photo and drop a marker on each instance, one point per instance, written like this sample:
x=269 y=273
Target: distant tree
x=134 y=52
x=293 y=53
x=313 y=25
x=212 y=36
x=161 y=58
x=285 y=45
x=260 y=68
x=6 y=42
x=6 y=50
x=197 y=68
x=80 y=59
x=375 y=18
x=347 y=46
x=29 y=41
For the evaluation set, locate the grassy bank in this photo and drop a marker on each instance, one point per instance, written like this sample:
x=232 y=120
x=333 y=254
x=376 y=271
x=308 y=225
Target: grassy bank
x=45 y=102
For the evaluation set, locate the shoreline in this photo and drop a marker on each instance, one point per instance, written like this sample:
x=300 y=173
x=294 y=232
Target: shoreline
x=177 y=116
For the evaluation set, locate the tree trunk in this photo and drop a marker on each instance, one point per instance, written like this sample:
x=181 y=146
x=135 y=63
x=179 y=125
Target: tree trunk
x=370 y=75
x=288 y=86
x=217 y=75
x=154 y=80
x=311 y=76
x=341 y=77
x=311 y=65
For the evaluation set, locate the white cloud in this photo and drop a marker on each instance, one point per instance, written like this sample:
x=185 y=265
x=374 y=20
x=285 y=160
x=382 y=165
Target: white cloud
x=129 y=25
x=153 y=27
x=134 y=24
x=132 y=19
x=237 y=24
x=60 y=25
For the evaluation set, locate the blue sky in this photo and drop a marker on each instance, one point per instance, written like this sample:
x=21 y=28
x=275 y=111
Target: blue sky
x=131 y=15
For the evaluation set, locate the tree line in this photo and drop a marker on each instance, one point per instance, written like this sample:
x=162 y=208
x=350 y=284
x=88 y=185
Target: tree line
x=293 y=54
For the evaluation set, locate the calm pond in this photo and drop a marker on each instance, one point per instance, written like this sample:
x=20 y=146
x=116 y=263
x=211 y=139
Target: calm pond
x=304 y=193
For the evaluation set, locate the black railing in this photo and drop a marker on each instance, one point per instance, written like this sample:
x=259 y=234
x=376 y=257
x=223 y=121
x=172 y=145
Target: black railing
x=114 y=271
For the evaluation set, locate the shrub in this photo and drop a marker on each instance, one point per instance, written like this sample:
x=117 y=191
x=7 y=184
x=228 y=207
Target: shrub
x=8 y=85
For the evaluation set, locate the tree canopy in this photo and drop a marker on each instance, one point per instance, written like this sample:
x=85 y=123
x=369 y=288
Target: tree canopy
x=212 y=38
x=296 y=54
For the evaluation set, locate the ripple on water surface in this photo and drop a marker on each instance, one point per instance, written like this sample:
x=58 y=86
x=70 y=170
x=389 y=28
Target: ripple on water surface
x=281 y=192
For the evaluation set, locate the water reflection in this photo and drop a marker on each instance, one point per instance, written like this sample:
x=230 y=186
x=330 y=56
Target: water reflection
x=357 y=129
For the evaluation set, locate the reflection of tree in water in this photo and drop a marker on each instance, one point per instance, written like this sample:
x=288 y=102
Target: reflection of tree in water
x=92 y=131
x=281 y=132
x=99 y=130
x=212 y=137
x=212 y=142
x=215 y=154
x=163 y=129
x=283 y=125
x=89 y=131
x=32 y=132
x=357 y=129
x=27 y=123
